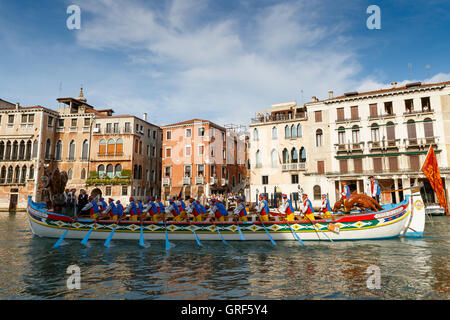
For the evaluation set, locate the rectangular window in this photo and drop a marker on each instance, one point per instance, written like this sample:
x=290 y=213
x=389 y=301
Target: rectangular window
x=87 y=122
x=358 y=166
x=200 y=170
x=116 y=127
x=294 y=178
x=187 y=171
x=154 y=134
x=108 y=127
x=11 y=119
x=265 y=179
x=414 y=162
x=393 y=164
x=201 y=150
x=340 y=114
x=318 y=116
x=50 y=122
x=187 y=151
x=321 y=167
x=426 y=105
x=24 y=118
x=60 y=123
x=168 y=152
x=343 y=165
x=73 y=123
x=373 y=110
x=168 y=135
x=409 y=105
x=201 y=132
x=148 y=133
x=354 y=112
x=377 y=164
x=388 y=108
x=213 y=170
x=127 y=127
x=168 y=172
x=124 y=190
x=153 y=152
x=108 y=191
x=188 y=133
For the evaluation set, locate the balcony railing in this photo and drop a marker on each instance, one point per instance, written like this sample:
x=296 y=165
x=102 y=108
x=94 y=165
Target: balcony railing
x=301 y=166
x=417 y=112
x=281 y=118
x=186 y=180
x=214 y=180
x=166 y=181
x=199 y=180
x=348 y=119
x=224 y=182
x=381 y=116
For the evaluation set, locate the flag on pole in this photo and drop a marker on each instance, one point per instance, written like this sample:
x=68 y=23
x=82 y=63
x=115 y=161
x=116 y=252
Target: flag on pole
x=430 y=169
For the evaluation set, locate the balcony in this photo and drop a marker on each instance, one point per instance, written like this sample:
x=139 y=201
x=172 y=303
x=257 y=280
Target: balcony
x=186 y=180
x=381 y=116
x=375 y=145
x=279 y=118
x=301 y=166
x=199 y=180
x=353 y=119
x=214 y=181
x=418 y=112
x=166 y=181
x=224 y=182
x=421 y=142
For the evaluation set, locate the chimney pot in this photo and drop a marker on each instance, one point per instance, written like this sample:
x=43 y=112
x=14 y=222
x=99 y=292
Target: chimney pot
x=330 y=94
x=145 y=116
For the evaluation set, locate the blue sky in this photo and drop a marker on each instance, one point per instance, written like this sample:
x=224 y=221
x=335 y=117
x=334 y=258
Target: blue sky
x=218 y=60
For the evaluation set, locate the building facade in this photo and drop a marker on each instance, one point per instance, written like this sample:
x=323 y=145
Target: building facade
x=201 y=158
x=115 y=156
x=289 y=150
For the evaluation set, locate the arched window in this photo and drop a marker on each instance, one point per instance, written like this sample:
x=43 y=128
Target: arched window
x=355 y=134
x=375 y=131
x=102 y=146
x=22 y=150
x=85 y=150
x=135 y=171
x=390 y=131
x=15 y=150
x=317 y=192
x=23 y=176
x=101 y=171
x=83 y=174
x=111 y=149
x=31 y=173
x=302 y=154
x=16 y=174
x=287 y=132
x=3 y=175
x=274 y=158
x=119 y=146
x=47 y=149
x=70 y=174
x=2 y=150
x=8 y=151
x=58 y=150
x=285 y=156
x=341 y=135
x=274 y=133
x=299 y=131
x=28 y=151
x=35 y=148
x=118 y=170
x=258 y=159
x=428 y=128
x=294 y=155
x=255 y=135
x=140 y=172
x=293 y=132
x=319 y=138
x=72 y=150
x=110 y=171
x=10 y=174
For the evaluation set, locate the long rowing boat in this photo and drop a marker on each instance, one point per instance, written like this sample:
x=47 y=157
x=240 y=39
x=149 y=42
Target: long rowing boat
x=405 y=219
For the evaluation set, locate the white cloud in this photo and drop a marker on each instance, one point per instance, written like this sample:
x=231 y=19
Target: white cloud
x=222 y=68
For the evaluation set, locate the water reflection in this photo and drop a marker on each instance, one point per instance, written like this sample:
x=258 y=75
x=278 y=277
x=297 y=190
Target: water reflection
x=410 y=269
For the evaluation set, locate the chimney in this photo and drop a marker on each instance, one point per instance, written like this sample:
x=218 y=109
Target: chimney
x=394 y=84
x=17 y=105
x=145 y=116
x=314 y=98
x=330 y=94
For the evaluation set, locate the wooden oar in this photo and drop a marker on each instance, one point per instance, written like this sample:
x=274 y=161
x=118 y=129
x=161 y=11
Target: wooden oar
x=195 y=234
x=108 y=240
x=267 y=231
x=292 y=230
x=314 y=226
x=86 y=237
x=240 y=232
x=141 y=240
x=165 y=230
x=60 y=240
x=220 y=235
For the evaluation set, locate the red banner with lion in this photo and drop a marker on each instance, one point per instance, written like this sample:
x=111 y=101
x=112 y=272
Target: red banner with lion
x=430 y=169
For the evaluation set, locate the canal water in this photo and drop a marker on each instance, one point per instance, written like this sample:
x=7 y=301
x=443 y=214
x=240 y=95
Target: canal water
x=407 y=268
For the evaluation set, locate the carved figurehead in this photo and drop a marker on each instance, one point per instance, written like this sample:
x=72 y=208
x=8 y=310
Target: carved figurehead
x=56 y=184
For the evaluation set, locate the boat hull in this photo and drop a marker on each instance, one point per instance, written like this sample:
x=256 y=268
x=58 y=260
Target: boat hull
x=390 y=223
